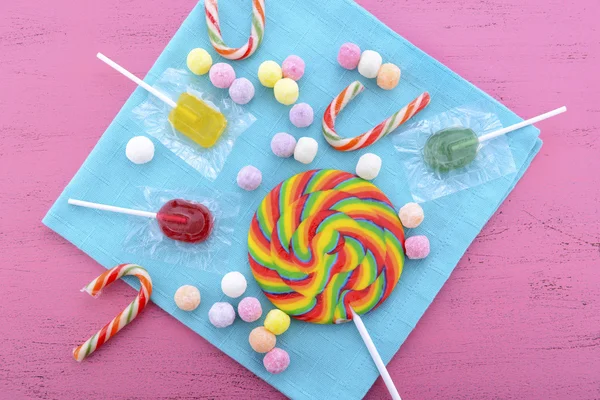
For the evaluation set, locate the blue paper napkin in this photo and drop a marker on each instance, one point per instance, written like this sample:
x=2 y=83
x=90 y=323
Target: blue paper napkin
x=327 y=361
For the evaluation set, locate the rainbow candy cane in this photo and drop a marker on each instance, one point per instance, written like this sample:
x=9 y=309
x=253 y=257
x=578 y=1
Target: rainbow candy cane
x=216 y=38
x=370 y=137
x=125 y=316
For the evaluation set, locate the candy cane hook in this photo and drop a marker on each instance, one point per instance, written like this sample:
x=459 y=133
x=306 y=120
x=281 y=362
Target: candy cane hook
x=125 y=316
x=257 y=32
x=368 y=138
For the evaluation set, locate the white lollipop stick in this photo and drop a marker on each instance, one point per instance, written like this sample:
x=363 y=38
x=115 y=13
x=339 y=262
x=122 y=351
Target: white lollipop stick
x=523 y=124
x=137 y=80
x=385 y=375
x=105 y=207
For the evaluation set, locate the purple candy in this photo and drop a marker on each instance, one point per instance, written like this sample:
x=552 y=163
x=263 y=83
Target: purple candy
x=417 y=247
x=283 y=144
x=293 y=68
x=302 y=115
x=349 y=56
x=249 y=178
x=221 y=315
x=241 y=91
x=222 y=75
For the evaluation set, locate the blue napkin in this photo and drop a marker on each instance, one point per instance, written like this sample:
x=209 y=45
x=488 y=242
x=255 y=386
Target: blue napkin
x=327 y=361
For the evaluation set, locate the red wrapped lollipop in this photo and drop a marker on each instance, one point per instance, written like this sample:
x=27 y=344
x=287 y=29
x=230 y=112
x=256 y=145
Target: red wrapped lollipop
x=178 y=219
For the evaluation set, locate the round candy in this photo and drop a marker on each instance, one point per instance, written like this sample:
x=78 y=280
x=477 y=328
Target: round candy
x=417 y=247
x=234 y=284
x=241 y=91
x=283 y=144
x=370 y=62
x=388 y=76
x=187 y=298
x=261 y=340
x=368 y=166
x=277 y=322
x=287 y=91
x=269 y=73
x=302 y=115
x=221 y=315
x=411 y=215
x=349 y=56
x=306 y=150
x=249 y=309
x=324 y=242
x=249 y=178
x=276 y=361
x=139 y=150
x=222 y=75
x=293 y=68
x=199 y=61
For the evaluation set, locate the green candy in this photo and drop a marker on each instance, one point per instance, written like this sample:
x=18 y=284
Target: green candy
x=451 y=148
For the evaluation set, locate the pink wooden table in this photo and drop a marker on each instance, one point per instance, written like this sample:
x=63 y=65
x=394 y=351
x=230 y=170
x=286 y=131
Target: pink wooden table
x=519 y=317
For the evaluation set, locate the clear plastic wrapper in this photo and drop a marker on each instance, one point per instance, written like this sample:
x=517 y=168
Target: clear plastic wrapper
x=153 y=117
x=146 y=237
x=493 y=160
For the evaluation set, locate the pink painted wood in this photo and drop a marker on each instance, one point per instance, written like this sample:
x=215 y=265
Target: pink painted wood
x=520 y=316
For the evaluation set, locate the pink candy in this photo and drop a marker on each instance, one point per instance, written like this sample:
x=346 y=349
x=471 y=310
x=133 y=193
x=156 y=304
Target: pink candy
x=222 y=75
x=293 y=68
x=249 y=309
x=249 y=178
x=276 y=361
x=241 y=91
x=349 y=56
x=417 y=247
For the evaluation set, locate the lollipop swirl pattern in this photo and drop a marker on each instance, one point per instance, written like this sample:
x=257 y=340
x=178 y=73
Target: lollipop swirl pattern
x=324 y=242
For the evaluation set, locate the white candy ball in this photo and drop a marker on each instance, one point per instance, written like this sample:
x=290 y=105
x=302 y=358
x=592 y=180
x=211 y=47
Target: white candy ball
x=306 y=150
x=234 y=284
x=370 y=62
x=368 y=166
x=139 y=150
x=187 y=298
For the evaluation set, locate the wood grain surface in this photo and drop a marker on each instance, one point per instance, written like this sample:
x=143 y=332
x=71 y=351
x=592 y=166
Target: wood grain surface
x=518 y=319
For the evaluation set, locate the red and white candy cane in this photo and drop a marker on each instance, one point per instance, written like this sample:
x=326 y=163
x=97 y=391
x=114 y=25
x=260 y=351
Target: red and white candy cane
x=211 y=8
x=373 y=135
x=125 y=316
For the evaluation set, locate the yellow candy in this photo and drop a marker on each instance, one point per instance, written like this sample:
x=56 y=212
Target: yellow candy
x=198 y=121
x=286 y=91
x=269 y=73
x=277 y=322
x=388 y=76
x=199 y=61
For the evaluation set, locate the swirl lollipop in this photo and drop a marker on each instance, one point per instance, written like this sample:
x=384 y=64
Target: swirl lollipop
x=326 y=247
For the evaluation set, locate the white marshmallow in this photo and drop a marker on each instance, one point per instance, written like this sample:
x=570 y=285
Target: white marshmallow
x=140 y=150
x=370 y=62
x=306 y=150
x=234 y=284
x=368 y=166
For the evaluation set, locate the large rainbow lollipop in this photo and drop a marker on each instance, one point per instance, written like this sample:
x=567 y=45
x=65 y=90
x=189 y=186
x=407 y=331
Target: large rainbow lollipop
x=326 y=247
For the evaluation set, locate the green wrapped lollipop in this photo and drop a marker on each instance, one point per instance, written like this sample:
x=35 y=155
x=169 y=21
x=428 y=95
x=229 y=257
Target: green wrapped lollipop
x=454 y=148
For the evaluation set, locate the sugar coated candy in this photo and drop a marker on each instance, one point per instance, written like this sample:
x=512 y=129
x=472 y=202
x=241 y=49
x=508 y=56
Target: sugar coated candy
x=368 y=166
x=241 y=91
x=199 y=61
x=417 y=247
x=306 y=150
x=287 y=91
x=277 y=321
x=411 y=215
x=293 y=67
x=302 y=115
x=185 y=221
x=269 y=73
x=370 y=62
x=388 y=76
x=249 y=309
x=221 y=315
x=234 y=284
x=222 y=75
x=139 y=150
x=276 y=361
x=451 y=148
x=349 y=56
x=283 y=144
x=249 y=178
x=261 y=340
x=187 y=298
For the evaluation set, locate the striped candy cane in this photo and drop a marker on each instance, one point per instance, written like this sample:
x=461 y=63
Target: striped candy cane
x=216 y=38
x=125 y=316
x=369 y=137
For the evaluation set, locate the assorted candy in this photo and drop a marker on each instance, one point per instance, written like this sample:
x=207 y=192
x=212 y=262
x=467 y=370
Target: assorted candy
x=187 y=298
x=283 y=145
x=234 y=284
x=370 y=65
x=302 y=115
x=249 y=309
x=221 y=315
x=140 y=150
x=199 y=61
x=306 y=150
x=368 y=166
x=262 y=340
x=249 y=178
